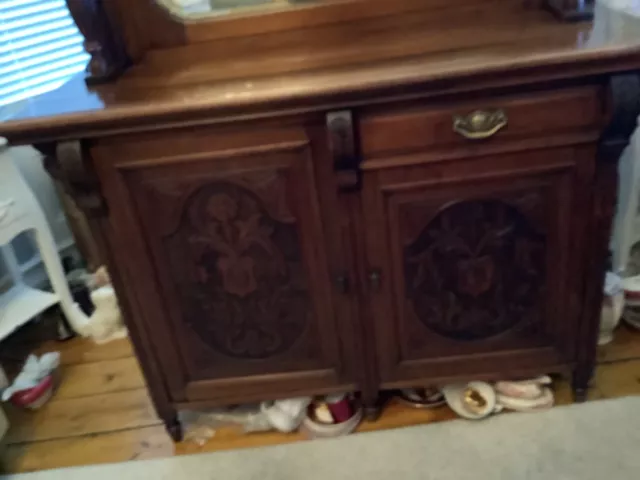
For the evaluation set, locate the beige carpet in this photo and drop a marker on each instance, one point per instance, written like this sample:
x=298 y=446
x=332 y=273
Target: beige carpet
x=594 y=441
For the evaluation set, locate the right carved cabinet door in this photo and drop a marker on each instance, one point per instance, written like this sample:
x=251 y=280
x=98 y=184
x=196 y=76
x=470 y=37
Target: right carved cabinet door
x=475 y=259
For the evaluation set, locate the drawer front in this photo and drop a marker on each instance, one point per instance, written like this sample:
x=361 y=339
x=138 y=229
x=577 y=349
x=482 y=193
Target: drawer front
x=497 y=119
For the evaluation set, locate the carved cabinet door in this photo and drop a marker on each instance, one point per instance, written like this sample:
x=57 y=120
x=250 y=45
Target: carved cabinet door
x=229 y=247
x=471 y=262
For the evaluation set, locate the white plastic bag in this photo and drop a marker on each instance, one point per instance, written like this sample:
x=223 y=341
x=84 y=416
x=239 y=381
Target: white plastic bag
x=33 y=371
x=286 y=415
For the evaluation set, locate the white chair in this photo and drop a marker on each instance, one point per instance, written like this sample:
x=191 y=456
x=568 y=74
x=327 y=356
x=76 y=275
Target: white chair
x=20 y=211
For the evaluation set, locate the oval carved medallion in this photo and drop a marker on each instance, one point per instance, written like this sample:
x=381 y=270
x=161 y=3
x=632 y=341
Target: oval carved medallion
x=246 y=296
x=476 y=270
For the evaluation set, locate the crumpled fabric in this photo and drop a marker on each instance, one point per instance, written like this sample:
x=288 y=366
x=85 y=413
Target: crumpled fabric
x=34 y=370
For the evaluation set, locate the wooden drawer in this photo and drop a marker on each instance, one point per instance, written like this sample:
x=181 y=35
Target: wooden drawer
x=525 y=116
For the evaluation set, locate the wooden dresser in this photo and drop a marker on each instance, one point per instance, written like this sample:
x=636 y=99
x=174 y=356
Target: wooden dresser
x=346 y=196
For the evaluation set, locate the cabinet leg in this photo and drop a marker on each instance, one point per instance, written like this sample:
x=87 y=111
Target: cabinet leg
x=372 y=412
x=174 y=427
x=373 y=405
x=581 y=382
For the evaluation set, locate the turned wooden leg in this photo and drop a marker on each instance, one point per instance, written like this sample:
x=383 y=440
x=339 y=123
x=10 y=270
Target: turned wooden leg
x=580 y=394
x=580 y=383
x=373 y=405
x=174 y=427
x=372 y=412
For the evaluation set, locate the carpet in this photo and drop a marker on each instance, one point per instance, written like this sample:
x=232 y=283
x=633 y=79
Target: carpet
x=593 y=441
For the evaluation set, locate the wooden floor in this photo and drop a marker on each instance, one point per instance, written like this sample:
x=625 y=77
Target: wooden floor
x=102 y=413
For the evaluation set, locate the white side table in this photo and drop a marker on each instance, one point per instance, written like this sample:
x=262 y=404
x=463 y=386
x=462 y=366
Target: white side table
x=626 y=230
x=20 y=211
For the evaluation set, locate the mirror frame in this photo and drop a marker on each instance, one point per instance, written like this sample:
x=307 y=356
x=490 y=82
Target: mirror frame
x=145 y=25
x=120 y=32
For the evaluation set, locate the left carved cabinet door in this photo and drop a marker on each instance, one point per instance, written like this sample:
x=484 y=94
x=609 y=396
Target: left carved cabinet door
x=226 y=251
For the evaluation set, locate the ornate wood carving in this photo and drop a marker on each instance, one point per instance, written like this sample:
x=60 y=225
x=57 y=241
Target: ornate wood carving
x=108 y=55
x=476 y=270
x=239 y=272
x=78 y=178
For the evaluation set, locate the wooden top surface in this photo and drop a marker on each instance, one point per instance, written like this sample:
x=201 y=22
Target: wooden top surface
x=344 y=64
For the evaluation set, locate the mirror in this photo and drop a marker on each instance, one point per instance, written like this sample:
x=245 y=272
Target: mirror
x=197 y=9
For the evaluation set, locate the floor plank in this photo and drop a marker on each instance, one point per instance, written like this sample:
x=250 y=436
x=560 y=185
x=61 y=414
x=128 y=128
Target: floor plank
x=81 y=351
x=82 y=416
x=79 y=427
x=619 y=379
x=153 y=442
x=99 y=377
x=625 y=345
x=564 y=394
x=120 y=446
x=395 y=415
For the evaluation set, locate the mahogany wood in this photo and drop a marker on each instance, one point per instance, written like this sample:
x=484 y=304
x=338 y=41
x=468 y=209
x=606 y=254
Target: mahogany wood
x=303 y=217
x=147 y=25
x=414 y=128
x=103 y=40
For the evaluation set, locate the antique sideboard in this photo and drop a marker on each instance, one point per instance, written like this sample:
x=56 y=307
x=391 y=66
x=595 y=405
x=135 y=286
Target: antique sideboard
x=346 y=196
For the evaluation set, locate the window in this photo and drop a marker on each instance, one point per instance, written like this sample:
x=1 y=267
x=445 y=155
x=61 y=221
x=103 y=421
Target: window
x=40 y=50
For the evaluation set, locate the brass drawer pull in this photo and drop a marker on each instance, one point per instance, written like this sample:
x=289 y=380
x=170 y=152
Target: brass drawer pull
x=480 y=124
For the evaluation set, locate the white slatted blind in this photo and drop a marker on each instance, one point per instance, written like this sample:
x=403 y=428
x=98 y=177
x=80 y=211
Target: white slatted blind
x=40 y=48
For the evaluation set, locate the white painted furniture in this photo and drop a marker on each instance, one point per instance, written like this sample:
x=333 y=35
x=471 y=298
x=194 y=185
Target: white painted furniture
x=4 y=423
x=20 y=211
x=619 y=21
x=627 y=222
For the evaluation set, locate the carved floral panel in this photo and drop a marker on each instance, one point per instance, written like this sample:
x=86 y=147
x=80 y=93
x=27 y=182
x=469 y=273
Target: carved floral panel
x=239 y=272
x=475 y=270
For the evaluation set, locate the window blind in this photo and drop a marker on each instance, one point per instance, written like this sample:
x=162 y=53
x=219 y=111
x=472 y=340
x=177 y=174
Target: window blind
x=40 y=48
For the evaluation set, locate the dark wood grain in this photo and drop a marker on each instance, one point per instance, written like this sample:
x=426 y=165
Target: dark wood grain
x=303 y=16
x=109 y=250
x=217 y=82
x=446 y=299
x=624 y=108
x=244 y=303
x=386 y=131
x=298 y=212
x=468 y=283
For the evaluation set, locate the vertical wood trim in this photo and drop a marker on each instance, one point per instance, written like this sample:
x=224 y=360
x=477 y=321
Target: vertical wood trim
x=625 y=108
x=72 y=164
